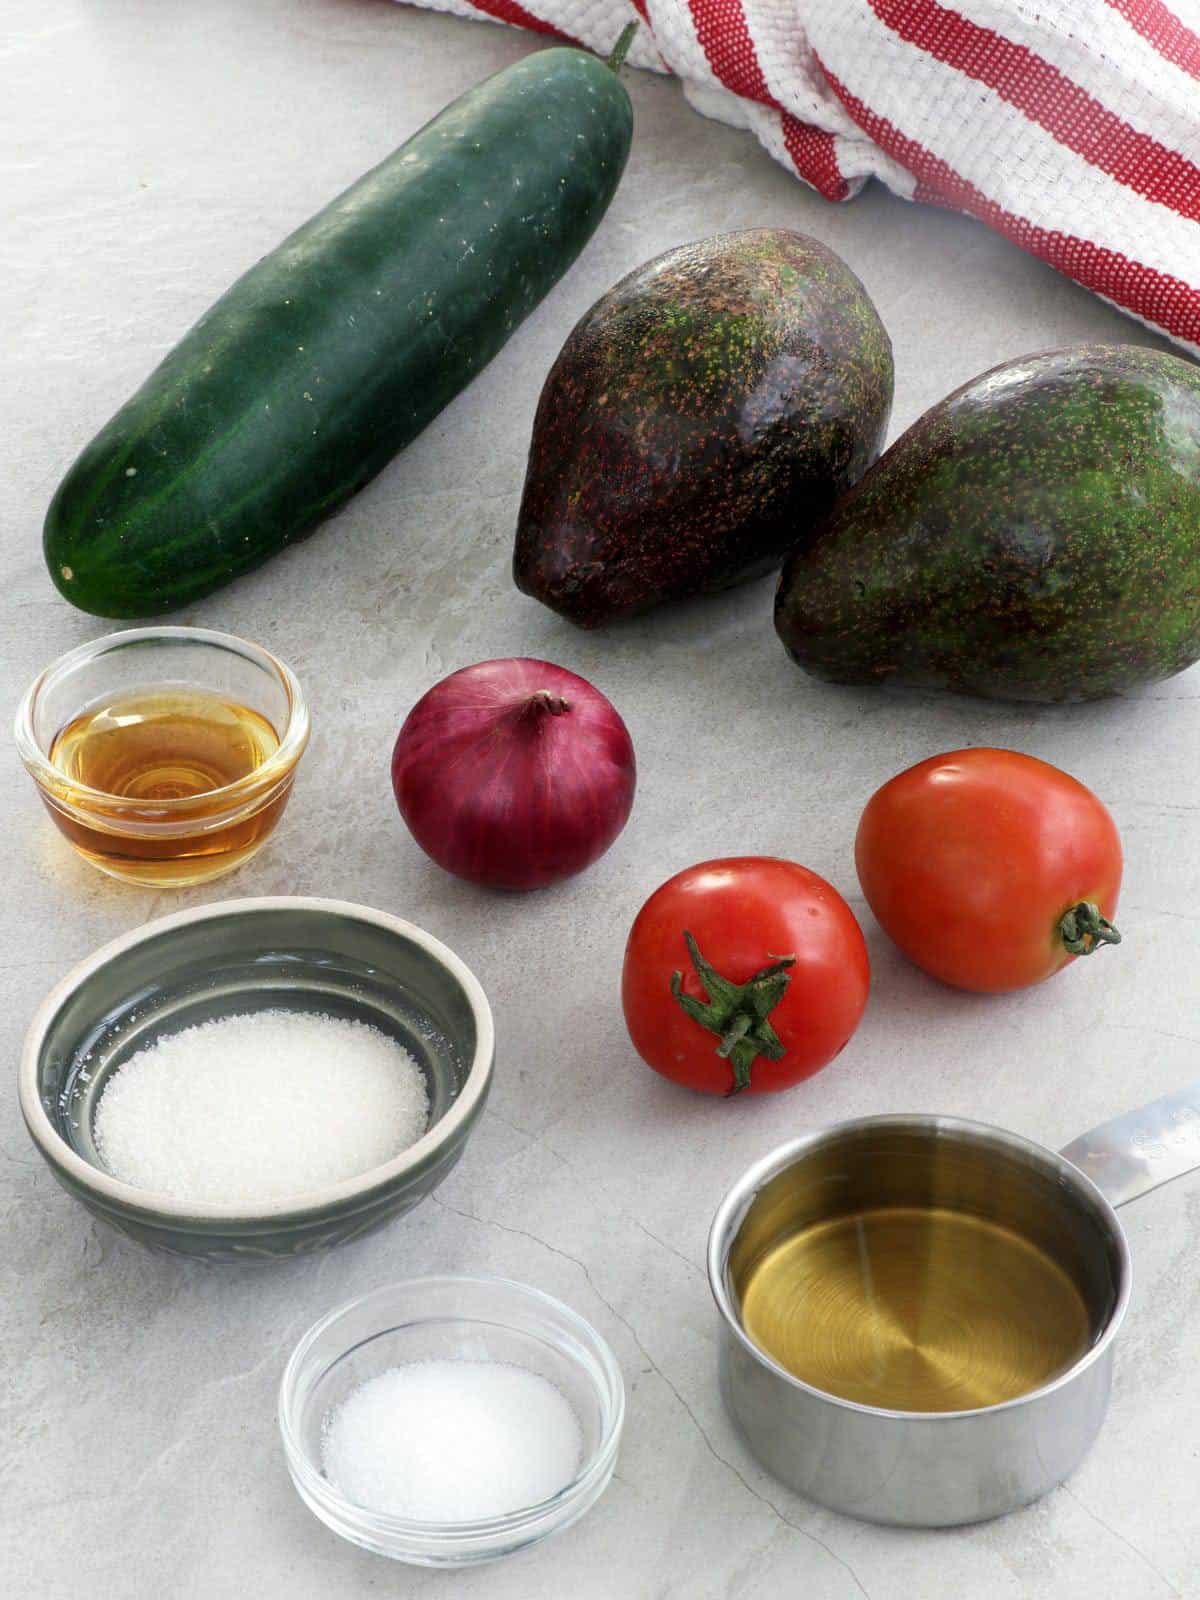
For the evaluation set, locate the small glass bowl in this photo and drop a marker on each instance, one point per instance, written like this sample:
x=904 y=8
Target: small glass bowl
x=450 y=1318
x=165 y=843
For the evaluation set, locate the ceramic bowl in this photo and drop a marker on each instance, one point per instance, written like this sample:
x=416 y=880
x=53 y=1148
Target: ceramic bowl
x=455 y=1319
x=245 y=955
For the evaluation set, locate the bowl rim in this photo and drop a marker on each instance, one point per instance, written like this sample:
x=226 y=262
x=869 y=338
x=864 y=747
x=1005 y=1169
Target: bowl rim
x=153 y=1203
x=741 y=1194
x=293 y=736
x=523 y=1517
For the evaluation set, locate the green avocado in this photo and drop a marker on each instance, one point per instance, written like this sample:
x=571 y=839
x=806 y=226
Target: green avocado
x=1035 y=536
x=700 y=418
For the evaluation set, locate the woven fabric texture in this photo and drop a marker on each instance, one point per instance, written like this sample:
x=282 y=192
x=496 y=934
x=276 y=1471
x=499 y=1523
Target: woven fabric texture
x=1071 y=126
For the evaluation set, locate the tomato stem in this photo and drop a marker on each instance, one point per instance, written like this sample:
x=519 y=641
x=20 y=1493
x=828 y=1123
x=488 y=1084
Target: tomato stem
x=1083 y=930
x=738 y=1013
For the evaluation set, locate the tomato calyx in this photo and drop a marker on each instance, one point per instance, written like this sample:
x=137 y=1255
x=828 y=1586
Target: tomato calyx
x=1083 y=930
x=738 y=1013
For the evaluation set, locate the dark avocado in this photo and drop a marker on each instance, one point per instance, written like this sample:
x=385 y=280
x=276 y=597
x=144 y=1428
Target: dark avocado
x=1035 y=536
x=700 y=418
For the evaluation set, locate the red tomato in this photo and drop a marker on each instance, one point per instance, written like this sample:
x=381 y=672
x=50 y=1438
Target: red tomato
x=972 y=860
x=782 y=970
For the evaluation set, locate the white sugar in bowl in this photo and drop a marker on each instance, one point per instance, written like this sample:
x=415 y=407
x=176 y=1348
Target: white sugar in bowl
x=419 y=1327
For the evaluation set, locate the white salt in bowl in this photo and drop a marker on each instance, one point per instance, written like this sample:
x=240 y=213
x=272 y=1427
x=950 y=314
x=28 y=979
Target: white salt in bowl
x=242 y=956
x=455 y=1319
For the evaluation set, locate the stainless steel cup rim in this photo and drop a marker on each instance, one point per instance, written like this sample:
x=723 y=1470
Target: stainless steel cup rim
x=151 y=1202
x=733 y=1207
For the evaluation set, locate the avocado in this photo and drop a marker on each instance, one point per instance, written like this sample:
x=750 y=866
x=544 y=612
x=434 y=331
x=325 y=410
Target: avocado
x=702 y=415
x=1035 y=536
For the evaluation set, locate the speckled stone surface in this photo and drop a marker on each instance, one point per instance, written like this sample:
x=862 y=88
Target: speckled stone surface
x=150 y=153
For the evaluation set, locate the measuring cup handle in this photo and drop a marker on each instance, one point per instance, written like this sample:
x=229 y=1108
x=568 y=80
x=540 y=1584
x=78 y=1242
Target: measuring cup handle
x=1133 y=1154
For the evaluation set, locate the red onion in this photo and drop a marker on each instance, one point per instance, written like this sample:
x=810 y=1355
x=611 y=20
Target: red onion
x=514 y=773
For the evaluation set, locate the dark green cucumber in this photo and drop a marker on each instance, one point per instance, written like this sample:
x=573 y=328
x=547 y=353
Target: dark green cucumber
x=335 y=350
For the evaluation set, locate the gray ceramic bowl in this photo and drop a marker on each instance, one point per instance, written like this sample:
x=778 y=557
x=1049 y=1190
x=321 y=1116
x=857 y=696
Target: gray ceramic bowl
x=245 y=955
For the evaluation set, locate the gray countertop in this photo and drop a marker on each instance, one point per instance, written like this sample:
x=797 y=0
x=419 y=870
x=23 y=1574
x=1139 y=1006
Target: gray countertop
x=150 y=153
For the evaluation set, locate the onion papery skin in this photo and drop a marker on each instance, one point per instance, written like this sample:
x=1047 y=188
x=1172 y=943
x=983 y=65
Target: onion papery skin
x=514 y=774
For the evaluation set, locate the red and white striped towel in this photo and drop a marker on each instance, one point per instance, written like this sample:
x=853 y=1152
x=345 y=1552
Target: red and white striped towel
x=1071 y=126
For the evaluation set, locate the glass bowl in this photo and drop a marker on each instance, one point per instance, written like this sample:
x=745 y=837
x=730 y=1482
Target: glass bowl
x=167 y=842
x=301 y=954
x=450 y=1318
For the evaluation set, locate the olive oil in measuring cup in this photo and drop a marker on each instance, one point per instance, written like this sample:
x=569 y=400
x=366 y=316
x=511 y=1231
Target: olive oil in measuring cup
x=914 y=1308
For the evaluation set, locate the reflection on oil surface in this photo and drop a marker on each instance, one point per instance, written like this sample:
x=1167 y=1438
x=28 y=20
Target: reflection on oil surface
x=914 y=1308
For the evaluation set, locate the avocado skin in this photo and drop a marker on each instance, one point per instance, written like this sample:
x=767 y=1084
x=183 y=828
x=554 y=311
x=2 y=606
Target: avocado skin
x=1035 y=536
x=700 y=417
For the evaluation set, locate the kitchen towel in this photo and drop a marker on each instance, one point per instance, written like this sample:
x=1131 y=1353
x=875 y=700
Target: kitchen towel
x=1071 y=126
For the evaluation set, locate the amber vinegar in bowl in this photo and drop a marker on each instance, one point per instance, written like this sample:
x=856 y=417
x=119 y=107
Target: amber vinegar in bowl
x=165 y=755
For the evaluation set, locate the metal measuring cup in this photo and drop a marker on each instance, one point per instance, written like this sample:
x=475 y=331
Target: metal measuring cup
x=939 y=1468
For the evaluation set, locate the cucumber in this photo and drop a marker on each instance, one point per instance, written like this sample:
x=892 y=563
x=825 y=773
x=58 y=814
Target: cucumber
x=335 y=350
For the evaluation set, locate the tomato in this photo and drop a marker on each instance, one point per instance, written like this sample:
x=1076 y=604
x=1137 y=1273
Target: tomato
x=749 y=973
x=990 y=869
